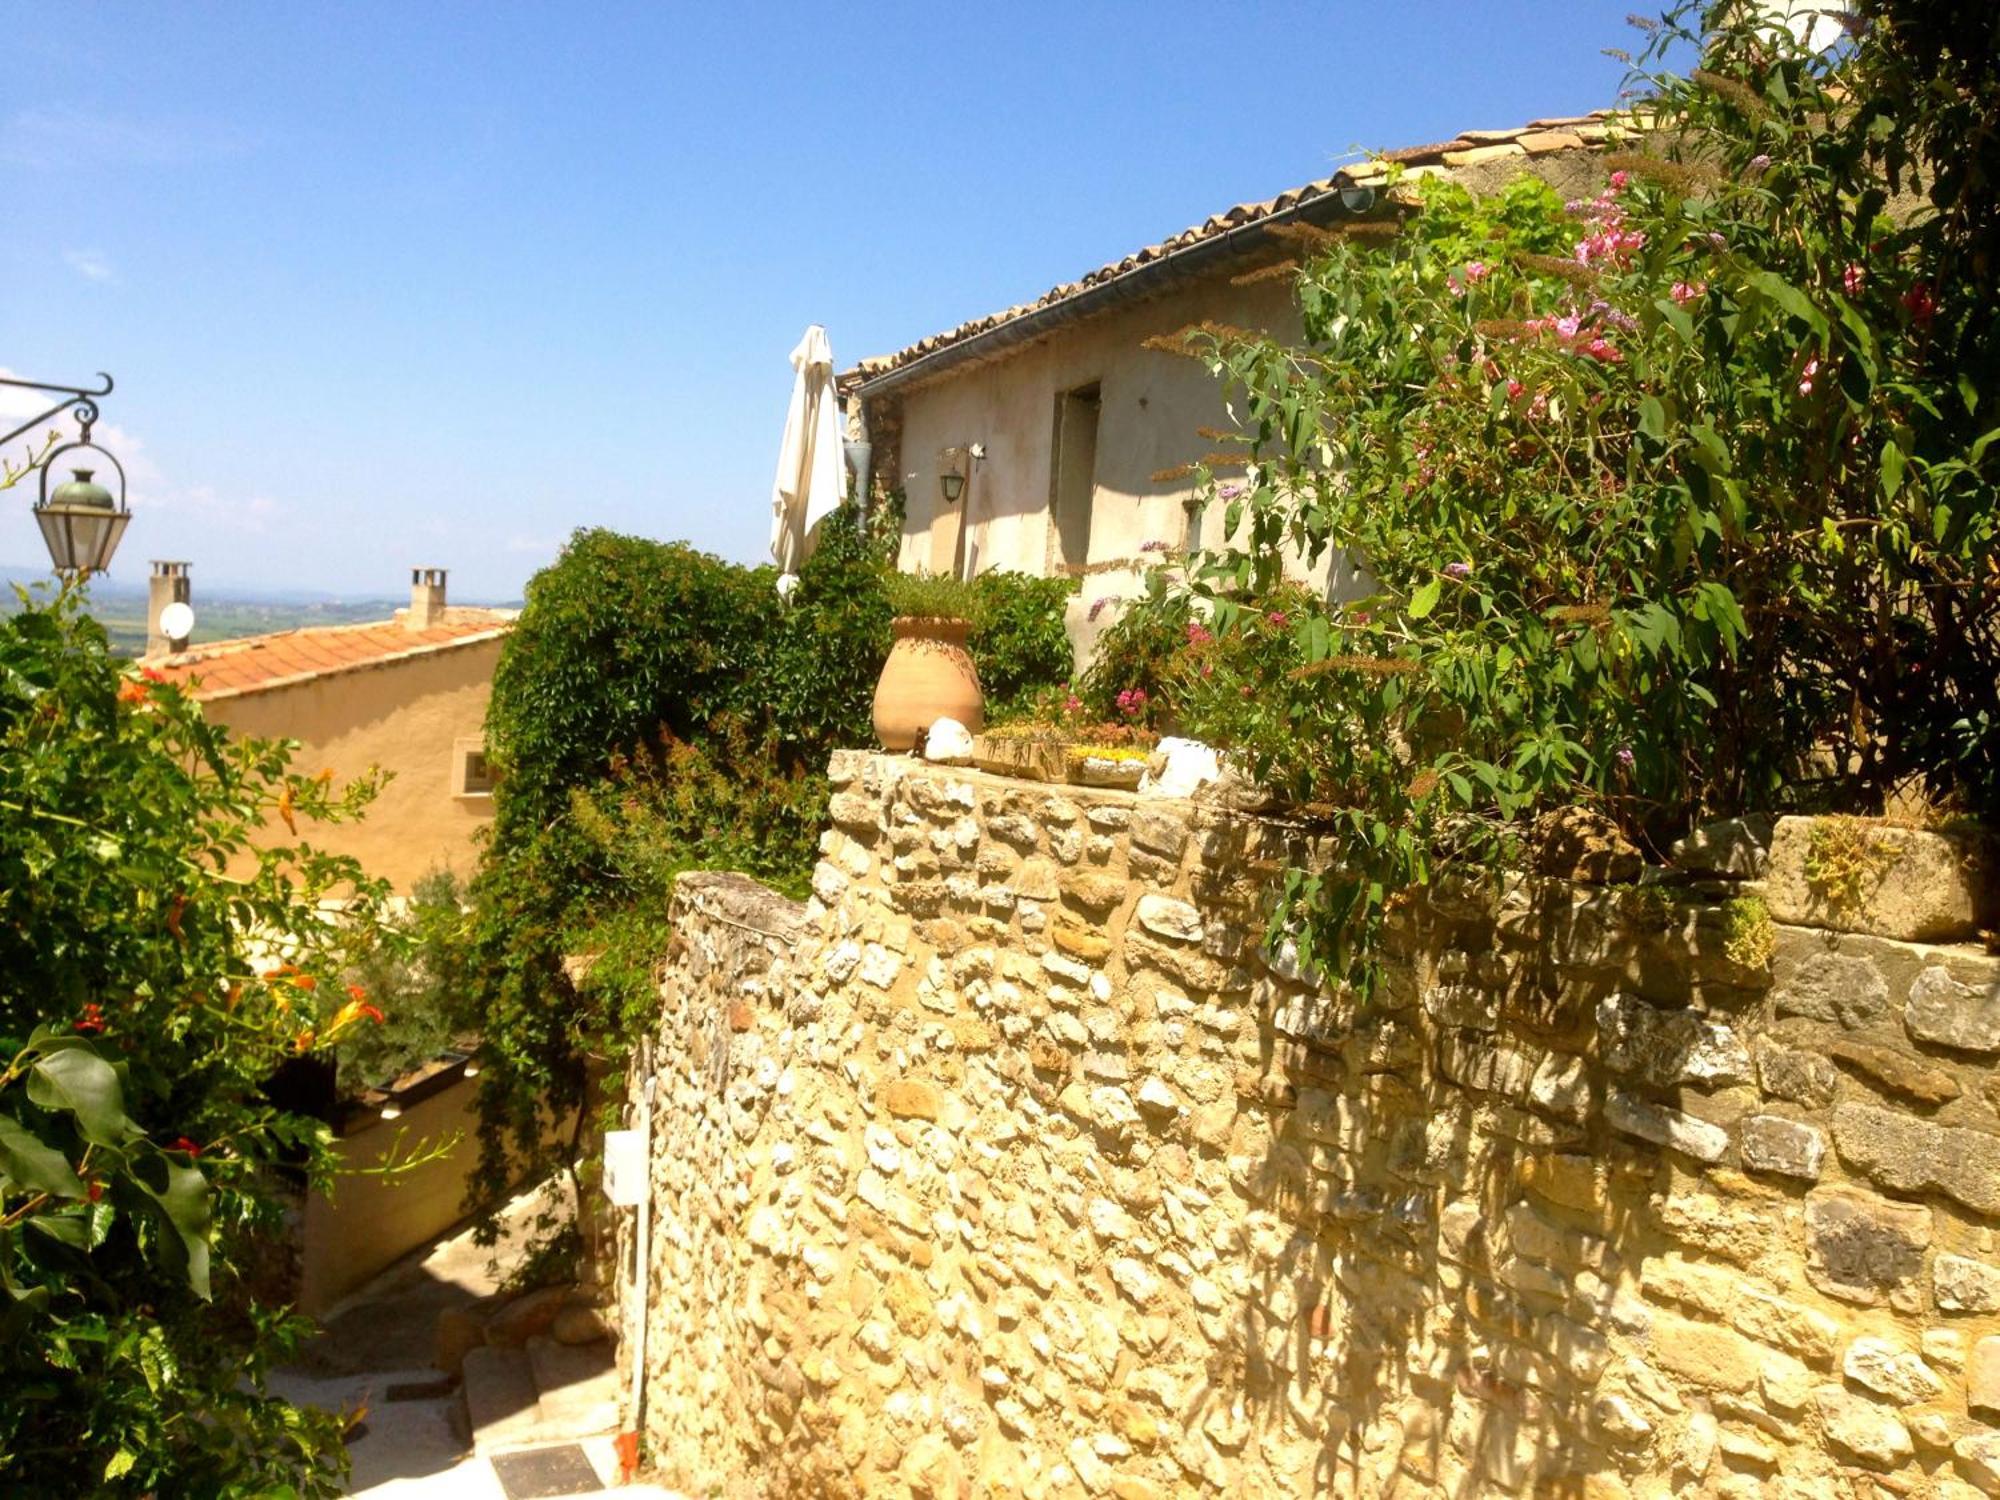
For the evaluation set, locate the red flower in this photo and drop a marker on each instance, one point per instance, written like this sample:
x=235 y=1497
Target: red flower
x=92 y=1019
x=184 y=1144
x=355 y=992
x=1920 y=305
x=95 y=1191
x=152 y=674
x=132 y=692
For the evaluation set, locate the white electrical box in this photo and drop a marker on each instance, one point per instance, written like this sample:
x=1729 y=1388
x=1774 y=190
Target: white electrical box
x=624 y=1168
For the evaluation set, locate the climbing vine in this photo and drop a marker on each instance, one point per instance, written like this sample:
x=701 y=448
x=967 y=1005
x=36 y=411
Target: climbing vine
x=658 y=710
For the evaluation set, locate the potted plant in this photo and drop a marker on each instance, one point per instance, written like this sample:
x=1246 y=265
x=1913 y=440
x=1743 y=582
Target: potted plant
x=929 y=674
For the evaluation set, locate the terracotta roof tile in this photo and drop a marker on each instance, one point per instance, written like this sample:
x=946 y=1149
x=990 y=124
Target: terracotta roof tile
x=1540 y=137
x=227 y=669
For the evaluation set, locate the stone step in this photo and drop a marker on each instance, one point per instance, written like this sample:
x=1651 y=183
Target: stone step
x=577 y=1385
x=502 y=1407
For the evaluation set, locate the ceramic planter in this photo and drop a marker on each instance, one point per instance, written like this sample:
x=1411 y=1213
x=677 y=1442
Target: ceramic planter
x=928 y=676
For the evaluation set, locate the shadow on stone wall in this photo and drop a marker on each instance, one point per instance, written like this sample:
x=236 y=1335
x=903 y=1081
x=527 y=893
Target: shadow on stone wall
x=1013 y=1165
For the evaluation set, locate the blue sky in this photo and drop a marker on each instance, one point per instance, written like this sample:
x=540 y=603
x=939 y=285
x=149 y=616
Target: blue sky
x=391 y=284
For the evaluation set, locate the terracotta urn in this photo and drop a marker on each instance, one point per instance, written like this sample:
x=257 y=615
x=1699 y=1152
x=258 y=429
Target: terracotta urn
x=928 y=676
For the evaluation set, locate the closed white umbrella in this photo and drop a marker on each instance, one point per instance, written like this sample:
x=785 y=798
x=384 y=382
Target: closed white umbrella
x=810 y=479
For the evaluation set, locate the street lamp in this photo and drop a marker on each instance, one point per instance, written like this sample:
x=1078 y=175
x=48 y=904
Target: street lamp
x=81 y=520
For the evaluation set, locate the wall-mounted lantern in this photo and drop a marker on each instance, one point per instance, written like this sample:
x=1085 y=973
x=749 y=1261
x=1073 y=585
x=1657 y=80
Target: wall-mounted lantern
x=82 y=522
x=955 y=468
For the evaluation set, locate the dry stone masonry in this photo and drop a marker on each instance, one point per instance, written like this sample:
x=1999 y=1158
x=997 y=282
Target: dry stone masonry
x=1012 y=1164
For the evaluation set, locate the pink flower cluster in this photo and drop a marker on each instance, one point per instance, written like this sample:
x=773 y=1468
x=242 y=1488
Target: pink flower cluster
x=1132 y=702
x=1609 y=242
x=1198 y=634
x=1475 y=272
x=1684 y=292
x=1583 y=333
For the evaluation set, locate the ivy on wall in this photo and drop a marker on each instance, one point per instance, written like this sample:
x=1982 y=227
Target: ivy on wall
x=656 y=710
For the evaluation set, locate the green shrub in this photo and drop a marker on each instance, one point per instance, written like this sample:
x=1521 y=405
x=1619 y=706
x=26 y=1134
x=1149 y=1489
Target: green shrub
x=1139 y=656
x=1019 y=640
x=830 y=645
x=620 y=638
x=408 y=980
x=658 y=710
x=142 y=1011
x=931 y=596
x=1678 y=501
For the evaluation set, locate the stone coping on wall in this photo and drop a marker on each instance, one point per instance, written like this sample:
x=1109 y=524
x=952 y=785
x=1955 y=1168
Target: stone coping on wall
x=1013 y=1163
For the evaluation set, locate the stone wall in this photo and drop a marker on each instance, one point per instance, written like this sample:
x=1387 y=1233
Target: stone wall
x=1011 y=1165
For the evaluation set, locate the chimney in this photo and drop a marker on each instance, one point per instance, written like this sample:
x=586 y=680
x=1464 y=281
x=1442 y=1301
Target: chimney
x=426 y=598
x=167 y=585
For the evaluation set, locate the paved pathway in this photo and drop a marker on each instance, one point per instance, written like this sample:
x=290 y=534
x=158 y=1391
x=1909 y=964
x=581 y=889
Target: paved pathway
x=415 y=1449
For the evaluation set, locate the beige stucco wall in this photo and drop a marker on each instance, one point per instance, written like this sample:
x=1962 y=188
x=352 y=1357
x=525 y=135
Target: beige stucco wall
x=1151 y=405
x=406 y=717
x=1153 y=402
x=369 y=1222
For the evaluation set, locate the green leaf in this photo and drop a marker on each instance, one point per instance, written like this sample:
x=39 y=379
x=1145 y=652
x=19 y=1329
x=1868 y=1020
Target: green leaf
x=1653 y=418
x=1710 y=451
x=78 y=1080
x=1791 y=299
x=20 y=1313
x=65 y=1229
x=31 y=1163
x=120 y=1464
x=1424 y=600
x=1892 y=469
x=184 y=1204
x=1677 y=318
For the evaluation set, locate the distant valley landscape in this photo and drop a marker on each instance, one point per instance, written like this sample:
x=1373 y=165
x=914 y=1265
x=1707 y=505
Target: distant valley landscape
x=220 y=613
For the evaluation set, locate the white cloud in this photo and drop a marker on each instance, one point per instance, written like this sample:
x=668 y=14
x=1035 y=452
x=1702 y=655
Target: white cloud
x=61 y=140
x=199 y=506
x=91 y=265
x=188 y=512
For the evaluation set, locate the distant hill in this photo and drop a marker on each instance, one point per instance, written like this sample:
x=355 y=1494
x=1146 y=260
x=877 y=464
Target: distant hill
x=220 y=613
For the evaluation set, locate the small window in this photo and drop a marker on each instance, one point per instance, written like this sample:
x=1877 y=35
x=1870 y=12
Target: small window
x=1073 y=476
x=471 y=775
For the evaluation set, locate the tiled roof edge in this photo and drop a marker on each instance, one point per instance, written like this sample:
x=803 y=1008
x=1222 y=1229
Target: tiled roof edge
x=293 y=679
x=1541 y=137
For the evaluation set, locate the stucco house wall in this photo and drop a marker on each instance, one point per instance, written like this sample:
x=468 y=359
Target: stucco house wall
x=409 y=717
x=1150 y=405
x=1006 y=397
